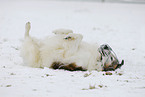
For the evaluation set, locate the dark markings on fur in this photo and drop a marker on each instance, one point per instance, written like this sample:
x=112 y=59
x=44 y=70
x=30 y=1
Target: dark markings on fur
x=70 y=67
x=56 y=65
x=73 y=67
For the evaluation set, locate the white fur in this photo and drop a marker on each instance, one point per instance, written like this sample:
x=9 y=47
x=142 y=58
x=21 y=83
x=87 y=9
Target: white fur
x=65 y=46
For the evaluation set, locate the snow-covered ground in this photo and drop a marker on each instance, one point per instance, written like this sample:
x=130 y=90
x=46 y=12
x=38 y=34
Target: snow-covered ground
x=122 y=26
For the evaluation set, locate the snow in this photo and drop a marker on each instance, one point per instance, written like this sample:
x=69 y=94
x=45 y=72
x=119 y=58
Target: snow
x=122 y=26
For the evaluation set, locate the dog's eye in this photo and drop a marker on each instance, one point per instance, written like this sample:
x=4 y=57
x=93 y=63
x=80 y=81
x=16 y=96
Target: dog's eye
x=111 y=58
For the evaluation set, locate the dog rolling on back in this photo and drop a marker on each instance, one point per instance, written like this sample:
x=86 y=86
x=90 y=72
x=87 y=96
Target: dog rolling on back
x=64 y=50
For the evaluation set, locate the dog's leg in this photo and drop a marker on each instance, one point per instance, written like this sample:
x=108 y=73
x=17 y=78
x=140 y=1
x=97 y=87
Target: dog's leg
x=71 y=44
x=30 y=49
x=27 y=29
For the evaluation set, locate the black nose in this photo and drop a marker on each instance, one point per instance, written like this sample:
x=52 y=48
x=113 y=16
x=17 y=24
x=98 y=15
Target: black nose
x=106 y=47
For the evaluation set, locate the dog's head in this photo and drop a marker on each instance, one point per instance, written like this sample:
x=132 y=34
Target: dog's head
x=108 y=58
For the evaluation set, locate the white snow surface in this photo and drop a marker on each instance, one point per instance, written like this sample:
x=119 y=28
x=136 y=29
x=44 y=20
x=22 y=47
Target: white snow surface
x=122 y=26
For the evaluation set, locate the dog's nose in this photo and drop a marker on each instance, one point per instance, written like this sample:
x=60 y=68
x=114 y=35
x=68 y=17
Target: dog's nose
x=106 y=47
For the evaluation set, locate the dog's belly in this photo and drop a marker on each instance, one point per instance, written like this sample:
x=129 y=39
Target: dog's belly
x=83 y=59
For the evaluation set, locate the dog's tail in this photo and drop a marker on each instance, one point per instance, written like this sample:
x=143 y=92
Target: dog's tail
x=27 y=29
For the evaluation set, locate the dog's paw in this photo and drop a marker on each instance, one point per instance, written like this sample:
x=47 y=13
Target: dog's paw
x=27 y=29
x=69 y=38
x=62 y=31
x=73 y=37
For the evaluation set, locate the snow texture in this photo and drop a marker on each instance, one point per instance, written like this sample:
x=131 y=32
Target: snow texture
x=122 y=26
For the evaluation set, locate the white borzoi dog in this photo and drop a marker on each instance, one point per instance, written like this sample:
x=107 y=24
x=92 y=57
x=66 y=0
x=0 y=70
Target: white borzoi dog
x=66 y=50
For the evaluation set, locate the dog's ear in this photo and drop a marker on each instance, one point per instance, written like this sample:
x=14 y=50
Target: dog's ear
x=27 y=29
